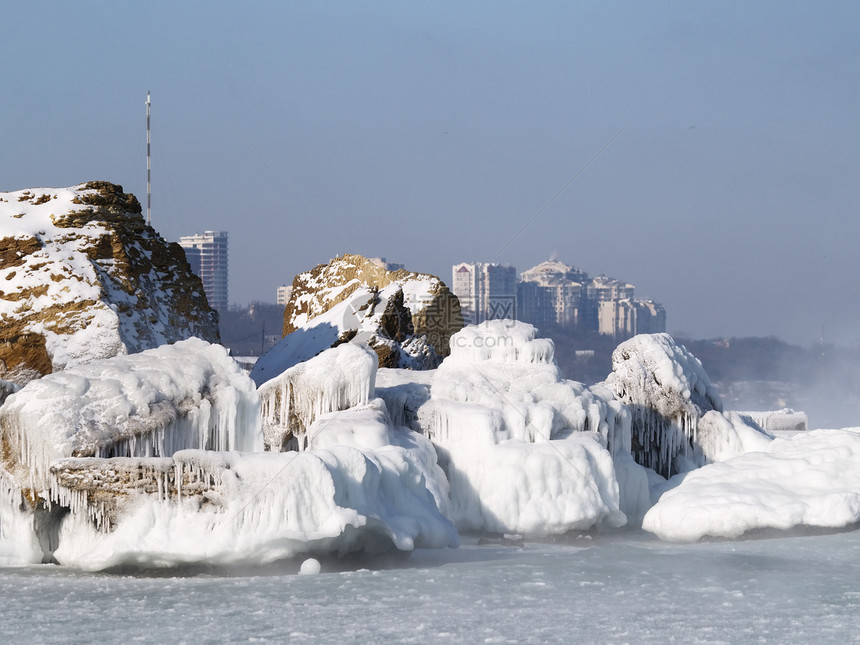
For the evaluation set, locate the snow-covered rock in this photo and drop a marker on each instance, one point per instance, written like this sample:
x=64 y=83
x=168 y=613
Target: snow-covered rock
x=810 y=479
x=668 y=392
x=82 y=277
x=406 y=318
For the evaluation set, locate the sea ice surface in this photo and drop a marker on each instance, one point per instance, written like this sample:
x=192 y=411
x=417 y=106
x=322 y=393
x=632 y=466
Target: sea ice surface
x=618 y=588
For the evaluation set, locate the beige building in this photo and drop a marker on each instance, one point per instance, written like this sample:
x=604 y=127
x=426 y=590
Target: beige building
x=557 y=294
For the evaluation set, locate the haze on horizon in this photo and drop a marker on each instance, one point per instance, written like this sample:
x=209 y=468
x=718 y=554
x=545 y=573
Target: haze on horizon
x=707 y=152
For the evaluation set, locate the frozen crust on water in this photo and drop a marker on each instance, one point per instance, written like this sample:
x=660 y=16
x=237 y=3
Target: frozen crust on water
x=810 y=479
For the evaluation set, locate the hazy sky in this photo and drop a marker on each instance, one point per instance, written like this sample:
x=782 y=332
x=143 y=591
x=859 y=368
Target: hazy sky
x=432 y=133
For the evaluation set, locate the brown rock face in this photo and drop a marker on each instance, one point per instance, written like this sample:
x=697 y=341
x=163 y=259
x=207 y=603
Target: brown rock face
x=83 y=277
x=427 y=309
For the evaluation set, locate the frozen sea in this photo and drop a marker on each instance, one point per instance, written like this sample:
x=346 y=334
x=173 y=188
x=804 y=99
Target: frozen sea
x=620 y=588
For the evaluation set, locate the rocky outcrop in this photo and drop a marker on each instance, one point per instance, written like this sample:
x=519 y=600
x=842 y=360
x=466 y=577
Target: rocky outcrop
x=83 y=277
x=433 y=311
x=406 y=318
x=677 y=418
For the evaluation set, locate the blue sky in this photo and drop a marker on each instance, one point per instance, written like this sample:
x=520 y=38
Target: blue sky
x=431 y=133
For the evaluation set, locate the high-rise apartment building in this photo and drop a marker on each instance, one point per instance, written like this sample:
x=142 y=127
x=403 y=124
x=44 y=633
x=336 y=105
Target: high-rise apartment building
x=207 y=255
x=486 y=291
x=283 y=293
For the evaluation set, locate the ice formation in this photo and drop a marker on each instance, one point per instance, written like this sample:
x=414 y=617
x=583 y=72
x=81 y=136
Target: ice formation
x=779 y=421
x=337 y=379
x=7 y=388
x=187 y=395
x=135 y=460
x=809 y=479
x=156 y=459
x=668 y=392
x=234 y=508
x=524 y=451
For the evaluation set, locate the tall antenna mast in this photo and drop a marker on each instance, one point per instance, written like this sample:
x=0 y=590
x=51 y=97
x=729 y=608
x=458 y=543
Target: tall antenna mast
x=148 y=168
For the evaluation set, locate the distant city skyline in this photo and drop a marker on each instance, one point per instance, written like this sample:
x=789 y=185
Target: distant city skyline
x=706 y=151
x=554 y=294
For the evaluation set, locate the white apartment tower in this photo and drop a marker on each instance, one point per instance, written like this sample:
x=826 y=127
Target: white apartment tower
x=207 y=255
x=486 y=291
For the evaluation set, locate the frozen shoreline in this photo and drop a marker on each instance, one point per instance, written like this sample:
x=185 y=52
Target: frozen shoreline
x=627 y=587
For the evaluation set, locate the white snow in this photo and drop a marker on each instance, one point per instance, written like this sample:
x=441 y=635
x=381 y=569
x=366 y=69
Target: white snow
x=809 y=479
x=313 y=337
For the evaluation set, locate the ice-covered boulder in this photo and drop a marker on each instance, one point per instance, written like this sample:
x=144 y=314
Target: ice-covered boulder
x=668 y=392
x=187 y=395
x=219 y=508
x=811 y=479
x=406 y=318
x=82 y=277
x=524 y=450
x=368 y=317
x=338 y=378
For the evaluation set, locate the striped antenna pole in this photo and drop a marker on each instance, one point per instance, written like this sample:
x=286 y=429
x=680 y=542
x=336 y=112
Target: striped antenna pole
x=148 y=168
